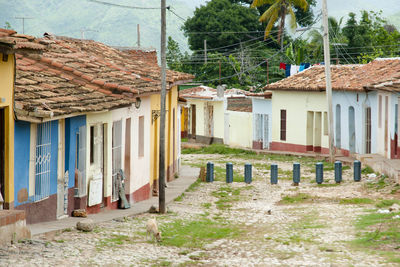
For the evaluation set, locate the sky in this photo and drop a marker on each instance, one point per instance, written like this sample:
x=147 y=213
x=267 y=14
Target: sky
x=340 y=8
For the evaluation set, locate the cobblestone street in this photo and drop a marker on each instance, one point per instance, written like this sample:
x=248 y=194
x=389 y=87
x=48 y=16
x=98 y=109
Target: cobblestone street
x=215 y=224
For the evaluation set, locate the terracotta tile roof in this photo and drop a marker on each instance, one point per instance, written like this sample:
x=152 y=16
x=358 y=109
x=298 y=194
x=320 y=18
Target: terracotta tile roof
x=266 y=94
x=344 y=77
x=42 y=91
x=142 y=68
x=74 y=75
x=201 y=92
x=242 y=104
x=11 y=41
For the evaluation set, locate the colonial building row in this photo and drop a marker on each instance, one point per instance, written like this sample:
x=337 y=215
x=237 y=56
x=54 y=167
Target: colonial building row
x=75 y=113
x=291 y=115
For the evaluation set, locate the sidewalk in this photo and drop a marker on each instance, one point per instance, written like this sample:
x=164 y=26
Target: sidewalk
x=187 y=176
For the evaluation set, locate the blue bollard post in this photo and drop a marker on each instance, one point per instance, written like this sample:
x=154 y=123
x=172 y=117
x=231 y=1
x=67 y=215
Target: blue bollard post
x=229 y=172
x=247 y=173
x=210 y=172
x=338 y=172
x=357 y=171
x=274 y=173
x=296 y=173
x=319 y=172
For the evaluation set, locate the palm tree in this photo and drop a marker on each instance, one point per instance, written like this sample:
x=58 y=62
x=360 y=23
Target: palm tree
x=279 y=9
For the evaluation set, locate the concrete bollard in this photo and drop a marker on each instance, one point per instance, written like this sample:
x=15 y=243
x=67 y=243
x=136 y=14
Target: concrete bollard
x=229 y=172
x=247 y=173
x=296 y=173
x=210 y=172
x=338 y=172
x=357 y=171
x=319 y=173
x=274 y=173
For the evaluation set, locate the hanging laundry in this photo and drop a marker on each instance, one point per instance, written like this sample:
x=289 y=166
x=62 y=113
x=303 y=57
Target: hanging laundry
x=294 y=69
x=287 y=72
x=282 y=66
x=302 y=66
x=306 y=65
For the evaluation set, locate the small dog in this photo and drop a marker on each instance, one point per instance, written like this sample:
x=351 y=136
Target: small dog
x=152 y=229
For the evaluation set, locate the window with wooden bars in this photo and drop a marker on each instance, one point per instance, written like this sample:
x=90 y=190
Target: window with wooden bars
x=283 y=124
x=42 y=161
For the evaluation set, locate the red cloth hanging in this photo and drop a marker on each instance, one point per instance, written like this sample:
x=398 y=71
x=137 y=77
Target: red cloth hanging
x=282 y=66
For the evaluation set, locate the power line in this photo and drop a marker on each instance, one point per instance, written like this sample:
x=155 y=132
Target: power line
x=123 y=6
x=255 y=66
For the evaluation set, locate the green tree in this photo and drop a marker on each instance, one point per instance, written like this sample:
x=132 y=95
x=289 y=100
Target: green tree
x=278 y=10
x=336 y=40
x=219 y=22
x=174 y=55
x=7 y=25
x=370 y=37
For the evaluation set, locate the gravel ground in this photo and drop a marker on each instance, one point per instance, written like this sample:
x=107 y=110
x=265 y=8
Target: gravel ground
x=313 y=232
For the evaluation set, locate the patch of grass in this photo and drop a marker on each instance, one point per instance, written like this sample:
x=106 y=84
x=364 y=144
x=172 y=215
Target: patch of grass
x=307 y=221
x=114 y=240
x=196 y=233
x=193 y=187
x=184 y=140
x=297 y=198
x=356 y=201
x=367 y=170
x=60 y=241
x=218 y=149
x=67 y=230
x=387 y=203
x=328 y=185
x=206 y=205
x=370 y=219
x=380 y=184
x=179 y=198
x=226 y=195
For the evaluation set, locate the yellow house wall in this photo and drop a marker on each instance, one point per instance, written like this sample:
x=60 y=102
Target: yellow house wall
x=218 y=119
x=6 y=102
x=296 y=104
x=171 y=104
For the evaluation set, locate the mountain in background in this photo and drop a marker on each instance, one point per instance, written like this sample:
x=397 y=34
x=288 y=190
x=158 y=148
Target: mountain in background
x=113 y=26
x=395 y=20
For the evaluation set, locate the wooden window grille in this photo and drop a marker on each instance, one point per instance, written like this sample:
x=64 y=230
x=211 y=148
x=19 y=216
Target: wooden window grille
x=283 y=124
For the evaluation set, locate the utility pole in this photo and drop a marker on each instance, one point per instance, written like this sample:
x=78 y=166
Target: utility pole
x=138 y=35
x=23 y=22
x=267 y=71
x=205 y=51
x=161 y=184
x=327 y=59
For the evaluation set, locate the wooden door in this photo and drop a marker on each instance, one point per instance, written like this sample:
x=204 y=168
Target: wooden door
x=368 y=130
x=127 y=165
x=2 y=153
x=193 y=109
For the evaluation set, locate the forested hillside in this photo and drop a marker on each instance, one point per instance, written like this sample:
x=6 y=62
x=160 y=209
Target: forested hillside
x=110 y=25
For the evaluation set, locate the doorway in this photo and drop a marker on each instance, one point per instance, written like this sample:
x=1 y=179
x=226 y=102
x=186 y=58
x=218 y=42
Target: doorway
x=127 y=164
x=338 y=130
x=309 y=131
x=2 y=153
x=193 y=120
x=368 y=130
x=352 y=131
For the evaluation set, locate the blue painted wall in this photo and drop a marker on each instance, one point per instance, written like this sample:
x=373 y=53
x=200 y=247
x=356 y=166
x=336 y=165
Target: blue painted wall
x=21 y=158
x=54 y=157
x=71 y=130
x=263 y=106
x=347 y=99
